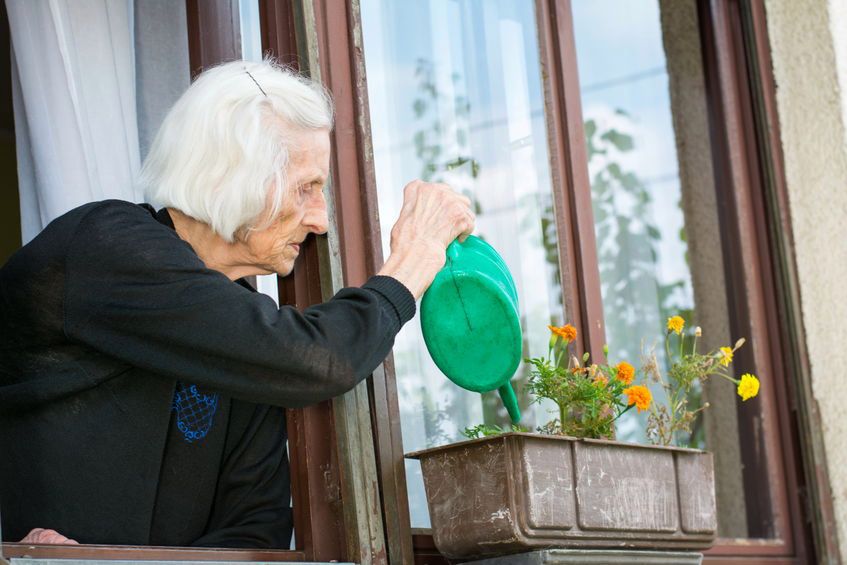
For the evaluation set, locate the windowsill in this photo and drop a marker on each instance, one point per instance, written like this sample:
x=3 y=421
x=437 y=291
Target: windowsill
x=123 y=553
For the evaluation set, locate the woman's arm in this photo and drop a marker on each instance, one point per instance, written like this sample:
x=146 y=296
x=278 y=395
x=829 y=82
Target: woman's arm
x=433 y=215
x=137 y=292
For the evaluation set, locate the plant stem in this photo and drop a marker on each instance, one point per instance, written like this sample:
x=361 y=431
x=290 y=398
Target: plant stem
x=668 y=346
x=727 y=377
x=622 y=412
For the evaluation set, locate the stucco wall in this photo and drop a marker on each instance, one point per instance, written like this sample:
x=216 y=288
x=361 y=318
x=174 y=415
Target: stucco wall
x=809 y=50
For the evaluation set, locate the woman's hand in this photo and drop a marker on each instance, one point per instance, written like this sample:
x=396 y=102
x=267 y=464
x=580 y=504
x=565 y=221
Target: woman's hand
x=42 y=536
x=433 y=215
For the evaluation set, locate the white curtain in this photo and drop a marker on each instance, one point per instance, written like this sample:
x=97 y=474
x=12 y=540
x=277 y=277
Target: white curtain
x=75 y=110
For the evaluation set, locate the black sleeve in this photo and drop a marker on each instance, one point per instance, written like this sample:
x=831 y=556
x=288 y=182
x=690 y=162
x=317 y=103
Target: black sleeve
x=137 y=292
x=252 y=500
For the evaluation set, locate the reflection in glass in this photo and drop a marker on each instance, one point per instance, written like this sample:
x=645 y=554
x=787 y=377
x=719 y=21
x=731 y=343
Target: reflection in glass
x=655 y=208
x=455 y=96
x=639 y=225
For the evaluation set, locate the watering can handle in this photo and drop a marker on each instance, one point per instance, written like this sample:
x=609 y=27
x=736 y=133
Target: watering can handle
x=510 y=401
x=453 y=250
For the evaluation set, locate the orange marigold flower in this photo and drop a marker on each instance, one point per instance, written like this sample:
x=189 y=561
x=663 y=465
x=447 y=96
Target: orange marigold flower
x=675 y=324
x=626 y=372
x=748 y=386
x=566 y=332
x=726 y=356
x=640 y=396
x=601 y=380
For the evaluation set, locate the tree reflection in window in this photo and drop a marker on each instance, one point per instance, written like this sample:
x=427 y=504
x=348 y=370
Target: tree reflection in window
x=636 y=301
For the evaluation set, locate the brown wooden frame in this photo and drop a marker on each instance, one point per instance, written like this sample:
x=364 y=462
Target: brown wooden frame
x=746 y=149
x=315 y=478
x=804 y=418
x=145 y=553
x=338 y=33
x=214 y=37
x=569 y=170
x=760 y=278
x=752 y=292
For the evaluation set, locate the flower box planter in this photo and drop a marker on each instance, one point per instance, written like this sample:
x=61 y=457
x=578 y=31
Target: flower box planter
x=518 y=492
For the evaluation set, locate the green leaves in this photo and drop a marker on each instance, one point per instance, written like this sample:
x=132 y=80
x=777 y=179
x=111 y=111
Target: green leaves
x=621 y=141
x=675 y=420
x=442 y=133
x=588 y=397
x=483 y=430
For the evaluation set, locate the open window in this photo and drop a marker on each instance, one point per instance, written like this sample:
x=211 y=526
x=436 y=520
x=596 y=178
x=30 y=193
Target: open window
x=621 y=155
x=173 y=41
x=599 y=143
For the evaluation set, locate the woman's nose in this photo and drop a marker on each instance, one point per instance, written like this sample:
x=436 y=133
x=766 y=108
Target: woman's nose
x=321 y=223
x=316 y=218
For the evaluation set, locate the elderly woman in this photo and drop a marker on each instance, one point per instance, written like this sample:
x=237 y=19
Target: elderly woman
x=142 y=381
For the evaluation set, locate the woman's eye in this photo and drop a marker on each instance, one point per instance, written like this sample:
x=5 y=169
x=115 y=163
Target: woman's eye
x=311 y=188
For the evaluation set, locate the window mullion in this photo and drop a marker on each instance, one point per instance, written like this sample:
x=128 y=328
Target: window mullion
x=343 y=261
x=569 y=165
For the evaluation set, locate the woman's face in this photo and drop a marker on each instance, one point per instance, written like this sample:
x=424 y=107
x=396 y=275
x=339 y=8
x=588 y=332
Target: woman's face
x=275 y=248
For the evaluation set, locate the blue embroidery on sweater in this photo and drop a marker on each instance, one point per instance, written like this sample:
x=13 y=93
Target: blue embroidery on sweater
x=194 y=411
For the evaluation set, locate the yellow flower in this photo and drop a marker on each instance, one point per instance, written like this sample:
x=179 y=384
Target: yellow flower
x=726 y=356
x=640 y=396
x=566 y=332
x=626 y=372
x=748 y=386
x=675 y=324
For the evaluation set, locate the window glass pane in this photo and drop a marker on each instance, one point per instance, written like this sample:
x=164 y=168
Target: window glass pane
x=455 y=96
x=655 y=211
x=635 y=188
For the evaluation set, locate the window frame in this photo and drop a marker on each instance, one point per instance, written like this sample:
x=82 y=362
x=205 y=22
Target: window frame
x=338 y=38
x=321 y=531
x=749 y=175
x=754 y=202
x=12 y=550
x=803 y=415
x=751 y=192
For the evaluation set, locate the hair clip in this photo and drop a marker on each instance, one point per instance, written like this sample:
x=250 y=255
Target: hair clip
x=257 y=82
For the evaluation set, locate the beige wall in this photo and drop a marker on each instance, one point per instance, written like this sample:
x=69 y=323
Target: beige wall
x=809 y=50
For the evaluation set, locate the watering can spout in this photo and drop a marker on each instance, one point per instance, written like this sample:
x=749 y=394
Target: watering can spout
x=510 y=401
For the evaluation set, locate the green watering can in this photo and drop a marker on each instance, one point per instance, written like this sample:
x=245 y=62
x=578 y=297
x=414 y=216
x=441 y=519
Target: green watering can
x=470 y=321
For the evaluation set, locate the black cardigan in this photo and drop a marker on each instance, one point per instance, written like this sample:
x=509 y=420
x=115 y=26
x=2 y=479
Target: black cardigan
x=100 y=316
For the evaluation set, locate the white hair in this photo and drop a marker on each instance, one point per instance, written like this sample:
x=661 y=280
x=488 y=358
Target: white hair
x=222 y=151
